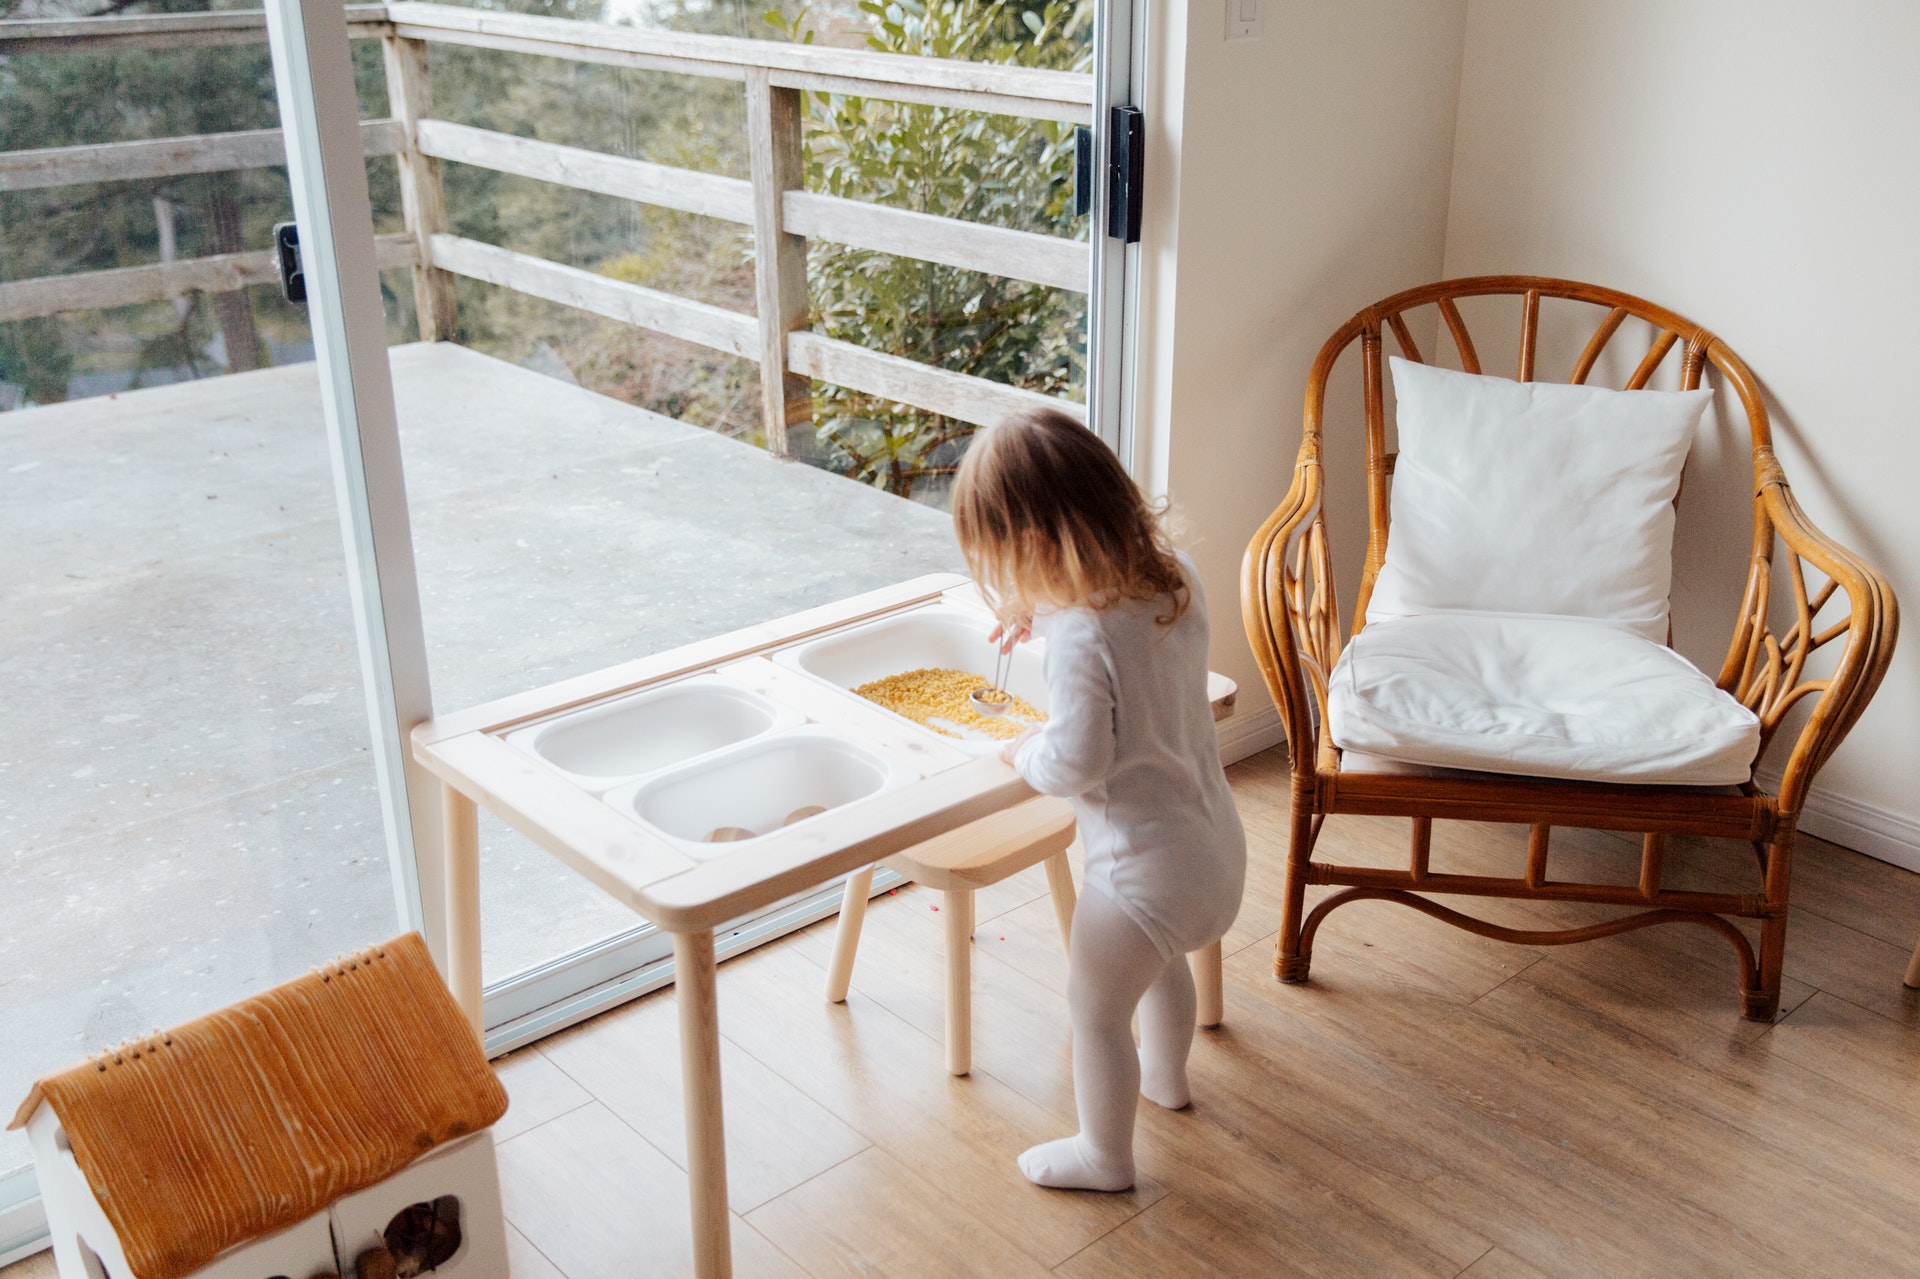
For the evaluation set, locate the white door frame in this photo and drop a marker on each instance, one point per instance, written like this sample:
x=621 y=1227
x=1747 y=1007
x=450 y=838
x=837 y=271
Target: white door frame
x=1119 y=62
x=326 y=169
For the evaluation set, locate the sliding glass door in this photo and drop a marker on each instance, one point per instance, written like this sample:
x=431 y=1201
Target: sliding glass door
x=623 y=341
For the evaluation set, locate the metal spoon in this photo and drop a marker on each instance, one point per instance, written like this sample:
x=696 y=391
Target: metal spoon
x=996 y=700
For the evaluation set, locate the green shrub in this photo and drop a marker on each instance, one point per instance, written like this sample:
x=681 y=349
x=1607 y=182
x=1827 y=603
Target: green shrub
x=1000 y=170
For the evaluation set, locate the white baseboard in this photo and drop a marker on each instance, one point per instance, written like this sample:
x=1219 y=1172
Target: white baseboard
x=1856 y=824
x=1250 y=730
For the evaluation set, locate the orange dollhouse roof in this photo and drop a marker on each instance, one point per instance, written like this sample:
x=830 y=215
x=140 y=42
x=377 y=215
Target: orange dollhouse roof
x=249 y=1119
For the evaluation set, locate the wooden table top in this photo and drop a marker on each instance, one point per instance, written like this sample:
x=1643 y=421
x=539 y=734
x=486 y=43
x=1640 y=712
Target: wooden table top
x=466 y=750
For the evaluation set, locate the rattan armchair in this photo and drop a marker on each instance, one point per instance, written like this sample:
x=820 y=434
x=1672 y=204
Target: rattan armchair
x=1293 y=623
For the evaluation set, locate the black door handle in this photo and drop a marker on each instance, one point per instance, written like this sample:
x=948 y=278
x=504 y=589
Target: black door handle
x=1126 y=172
x=286 y=257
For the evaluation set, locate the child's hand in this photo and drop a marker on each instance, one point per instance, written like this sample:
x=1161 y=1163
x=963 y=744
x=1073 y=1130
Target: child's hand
x=1012 y=630
x=1012 y=748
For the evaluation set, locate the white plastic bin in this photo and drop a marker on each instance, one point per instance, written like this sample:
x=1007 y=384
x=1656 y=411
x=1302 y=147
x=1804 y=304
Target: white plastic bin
x=939 y=635
x=758 y=787
x=628 y=737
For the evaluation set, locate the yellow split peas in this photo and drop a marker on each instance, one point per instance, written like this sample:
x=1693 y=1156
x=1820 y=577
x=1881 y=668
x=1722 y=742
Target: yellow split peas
x=939 y=692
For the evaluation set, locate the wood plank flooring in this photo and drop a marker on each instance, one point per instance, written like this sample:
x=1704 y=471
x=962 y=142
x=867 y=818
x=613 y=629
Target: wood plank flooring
x=1432 y=1104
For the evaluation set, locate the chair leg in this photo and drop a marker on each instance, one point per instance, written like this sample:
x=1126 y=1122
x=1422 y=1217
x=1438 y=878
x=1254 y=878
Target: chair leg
x=1763 y=1003
x=1289 y=965
x=846 y=935
x=959 y=917
x=1913 y=969
x=1210 y=998
x=1060 y=885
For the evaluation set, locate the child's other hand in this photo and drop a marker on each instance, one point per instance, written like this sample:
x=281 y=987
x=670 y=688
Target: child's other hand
x=1012 y=630
x=1012 y=748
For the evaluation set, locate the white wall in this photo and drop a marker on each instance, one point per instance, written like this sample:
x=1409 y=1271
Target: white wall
x=1755 y=165
x=1294 y=179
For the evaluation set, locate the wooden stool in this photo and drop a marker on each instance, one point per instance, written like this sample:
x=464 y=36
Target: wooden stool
x=974 y=857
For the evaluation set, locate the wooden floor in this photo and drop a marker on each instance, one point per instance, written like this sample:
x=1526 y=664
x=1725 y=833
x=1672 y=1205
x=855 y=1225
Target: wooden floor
x=1431 y=1104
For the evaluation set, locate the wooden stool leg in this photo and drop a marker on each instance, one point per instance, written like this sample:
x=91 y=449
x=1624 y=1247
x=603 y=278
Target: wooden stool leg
x=1210 y=999
x=693 y=973
x=461 y=833
x=959 y=915
x=1913 y=969
x=1060 y=885
x=846 y=934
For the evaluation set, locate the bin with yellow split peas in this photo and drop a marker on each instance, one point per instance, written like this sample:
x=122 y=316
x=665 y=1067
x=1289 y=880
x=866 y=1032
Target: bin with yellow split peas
x=921 y=665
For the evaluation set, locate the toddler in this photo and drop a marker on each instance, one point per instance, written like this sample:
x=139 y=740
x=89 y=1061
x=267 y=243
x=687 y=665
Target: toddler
x=1065 y=546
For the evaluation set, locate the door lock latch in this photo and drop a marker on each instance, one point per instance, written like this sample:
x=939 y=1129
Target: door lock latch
x=286 y=260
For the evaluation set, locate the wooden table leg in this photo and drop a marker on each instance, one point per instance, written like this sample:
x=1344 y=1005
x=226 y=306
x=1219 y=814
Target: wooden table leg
x=846 y=935
x=693 y=972
x=1913 y=969
x=1209 y=998
x=1060 y=886
x=462 y=870
x=959 y=915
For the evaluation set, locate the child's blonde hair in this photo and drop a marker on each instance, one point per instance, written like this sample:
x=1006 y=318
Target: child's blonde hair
x=1046 y=515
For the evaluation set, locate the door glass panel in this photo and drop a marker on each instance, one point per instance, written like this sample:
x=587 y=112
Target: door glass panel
x=186 y=793
x=586 y=489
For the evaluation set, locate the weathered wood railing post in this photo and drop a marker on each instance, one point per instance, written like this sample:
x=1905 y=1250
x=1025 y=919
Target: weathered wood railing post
x=778 y=165
x=410 y=99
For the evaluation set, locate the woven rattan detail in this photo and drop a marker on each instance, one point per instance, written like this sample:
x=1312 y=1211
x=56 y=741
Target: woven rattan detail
x=252 y=1118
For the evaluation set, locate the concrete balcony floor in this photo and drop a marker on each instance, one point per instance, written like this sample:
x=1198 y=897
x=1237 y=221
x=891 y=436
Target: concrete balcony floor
x=187 y=801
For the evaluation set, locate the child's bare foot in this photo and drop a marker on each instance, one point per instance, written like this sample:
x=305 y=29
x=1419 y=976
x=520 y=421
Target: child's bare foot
x=1165 y=1086
x=1068 y=1164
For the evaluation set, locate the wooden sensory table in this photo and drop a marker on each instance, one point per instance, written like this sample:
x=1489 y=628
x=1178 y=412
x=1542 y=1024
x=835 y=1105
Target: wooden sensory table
x=690 y=898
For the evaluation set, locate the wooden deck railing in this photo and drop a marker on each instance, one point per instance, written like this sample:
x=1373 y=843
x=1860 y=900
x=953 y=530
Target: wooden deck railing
x=783 y=215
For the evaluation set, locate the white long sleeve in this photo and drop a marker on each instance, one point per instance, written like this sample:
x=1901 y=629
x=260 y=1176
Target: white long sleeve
x=1075 y=750
x=1129 y=738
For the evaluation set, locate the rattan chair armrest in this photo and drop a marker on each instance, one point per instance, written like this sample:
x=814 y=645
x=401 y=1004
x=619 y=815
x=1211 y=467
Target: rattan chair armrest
x=1287 y=603
x=1767 y=672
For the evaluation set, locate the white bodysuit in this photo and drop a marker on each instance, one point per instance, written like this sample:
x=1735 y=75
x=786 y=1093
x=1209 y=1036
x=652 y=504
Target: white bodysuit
x=1129 y=738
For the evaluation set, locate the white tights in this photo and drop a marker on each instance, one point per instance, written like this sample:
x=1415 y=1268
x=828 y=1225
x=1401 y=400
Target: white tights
x=1112 y=969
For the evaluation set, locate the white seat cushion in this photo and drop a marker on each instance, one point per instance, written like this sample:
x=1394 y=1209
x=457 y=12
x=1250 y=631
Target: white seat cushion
x=1533 y=498
x=1541 y=697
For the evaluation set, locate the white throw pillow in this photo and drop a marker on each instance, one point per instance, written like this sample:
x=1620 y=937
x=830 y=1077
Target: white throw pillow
x=1533 y=498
